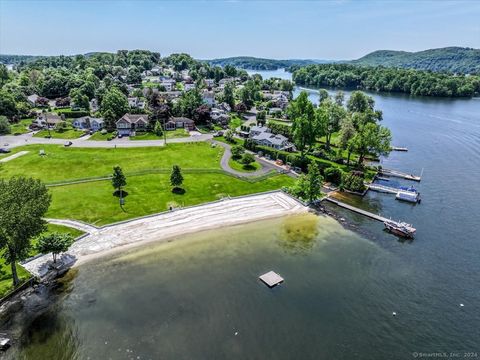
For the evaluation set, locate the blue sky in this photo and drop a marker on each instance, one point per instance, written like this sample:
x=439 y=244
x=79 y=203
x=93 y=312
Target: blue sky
x=342 y=29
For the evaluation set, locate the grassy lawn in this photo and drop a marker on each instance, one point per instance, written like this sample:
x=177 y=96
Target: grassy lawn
x=178 y=133
x=21 y=127
x=98 y=136
x=235 y=140
x=5 y=271
x=94 y=203
x=63 y=163
x=235 y=122
x=234 y=164
x=67 y=134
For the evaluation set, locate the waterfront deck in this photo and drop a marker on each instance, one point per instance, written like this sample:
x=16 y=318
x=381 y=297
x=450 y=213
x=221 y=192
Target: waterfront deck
x=271 y=279
x=383 y=188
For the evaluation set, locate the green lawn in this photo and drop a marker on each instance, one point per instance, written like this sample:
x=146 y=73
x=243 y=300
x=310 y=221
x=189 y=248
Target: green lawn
x=236 y=141
x=178 y=133
x=98 y=136
x=94 y=202
x=147 y=171
x=63 y=163
x=67 y=134
x=235 y=122
x=5 y=269
x=21 y=127
x=234 y=164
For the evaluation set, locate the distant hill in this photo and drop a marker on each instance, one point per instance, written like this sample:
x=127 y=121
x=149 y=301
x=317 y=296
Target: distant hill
x=15 y=59
x=449 y=59
x=253 y=63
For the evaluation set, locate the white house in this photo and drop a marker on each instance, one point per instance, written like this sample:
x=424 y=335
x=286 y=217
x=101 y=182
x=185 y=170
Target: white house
x=210 y=82
x=168 y=84
x=135 y=102
x=88 y=123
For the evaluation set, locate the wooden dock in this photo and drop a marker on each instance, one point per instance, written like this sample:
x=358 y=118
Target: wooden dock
x=357 y=210
x=383 y=188
x=399 y=148
x=399 y=174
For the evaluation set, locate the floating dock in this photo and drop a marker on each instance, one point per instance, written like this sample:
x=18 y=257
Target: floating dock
x=271 y=279
x=399 y=174
x=383 y=188
x=399 y=148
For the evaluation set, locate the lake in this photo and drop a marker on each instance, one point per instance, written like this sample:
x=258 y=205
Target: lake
x=199 y=297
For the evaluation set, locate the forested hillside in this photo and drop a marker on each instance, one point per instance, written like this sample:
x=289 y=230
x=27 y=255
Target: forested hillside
x=248 y=62
x=409 y=81
x=449 y=59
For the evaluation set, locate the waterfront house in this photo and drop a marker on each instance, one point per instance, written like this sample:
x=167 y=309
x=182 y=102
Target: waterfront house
x=88 y=123
x=128 y=124
x=263 y=136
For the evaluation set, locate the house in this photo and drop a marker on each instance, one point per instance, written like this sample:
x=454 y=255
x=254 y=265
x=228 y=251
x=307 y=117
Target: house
x=32 y=99
x=39 y=101
x=189 y=86
x=208 y=97
x=168 y=84
x=135 y=102
x=179 y=123
x=156 y=70
x=224 y=106
x=94 y=105
x=219 y=116
x=50 y=120
x=263 y=136
x=224 y=81
x=129 y=123
x=88 y=123
x=210 y=83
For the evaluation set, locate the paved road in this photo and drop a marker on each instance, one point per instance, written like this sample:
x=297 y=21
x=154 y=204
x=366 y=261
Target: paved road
x=266 y=166
x=26 y=139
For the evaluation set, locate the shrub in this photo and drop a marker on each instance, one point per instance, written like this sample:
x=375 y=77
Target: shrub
x=4 y=126
x=237 y=151
x=353 y=182
x=247 y=159
x=333 y=175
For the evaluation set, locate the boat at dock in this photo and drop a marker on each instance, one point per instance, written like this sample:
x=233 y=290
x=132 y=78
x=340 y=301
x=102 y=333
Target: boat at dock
x=399 y=148
x=409 y=196
x=396 y=173
x=400 y=228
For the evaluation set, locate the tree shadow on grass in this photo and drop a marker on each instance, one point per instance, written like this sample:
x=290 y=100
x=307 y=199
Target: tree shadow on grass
x=178 y=190
x=117 y=193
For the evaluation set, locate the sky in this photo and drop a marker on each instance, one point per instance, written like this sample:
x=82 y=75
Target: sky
x=334 y=30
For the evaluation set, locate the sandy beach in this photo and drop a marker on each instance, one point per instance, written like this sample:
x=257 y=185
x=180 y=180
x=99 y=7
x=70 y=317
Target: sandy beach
x=164 y=226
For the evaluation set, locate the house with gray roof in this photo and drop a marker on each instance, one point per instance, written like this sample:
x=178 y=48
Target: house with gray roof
x=88 y=123
x=263 y=136
x=129 y=123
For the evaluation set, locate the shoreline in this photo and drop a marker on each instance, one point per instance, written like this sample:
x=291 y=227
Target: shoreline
x=168 y=225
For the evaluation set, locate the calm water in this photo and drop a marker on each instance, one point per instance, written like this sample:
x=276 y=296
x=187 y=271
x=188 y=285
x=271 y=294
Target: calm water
x=188 y=298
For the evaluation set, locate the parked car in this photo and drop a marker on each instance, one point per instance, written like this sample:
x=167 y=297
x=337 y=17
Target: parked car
x=4 y=151
x=67 y=143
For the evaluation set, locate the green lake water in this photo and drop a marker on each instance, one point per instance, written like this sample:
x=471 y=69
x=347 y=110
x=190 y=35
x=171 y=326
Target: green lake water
x=200 y=298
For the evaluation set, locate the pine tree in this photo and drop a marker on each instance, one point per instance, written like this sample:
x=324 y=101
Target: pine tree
x=176 y=177
x=118 y=179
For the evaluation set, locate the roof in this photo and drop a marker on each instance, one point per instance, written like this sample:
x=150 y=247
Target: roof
x=50 y=117
x=133 y=118
x=90 y=118
x=260 y=129
x=181 y=119
x=271 y=138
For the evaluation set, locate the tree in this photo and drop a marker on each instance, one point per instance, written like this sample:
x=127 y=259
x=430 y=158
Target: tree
x=237 y=151
x=118 y=179
x=323 y=95
x=372 y=139
x=4 y=126
x=347 y=133
x=313 y=183
x=228 y=96
x=188 y=103
x=7 y=104
x=228 y=136
x=329 y=116
x=176 y=178
x=201 y=114
x=79 y=100
x=115 y=103
x=261 y=117
x=157 y=129
x=304 y=126
x=247 y=160
x=339 y=98
x=23 y=203
x=55 y=243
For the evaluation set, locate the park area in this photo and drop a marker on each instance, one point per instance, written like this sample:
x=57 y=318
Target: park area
x=78 y=179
